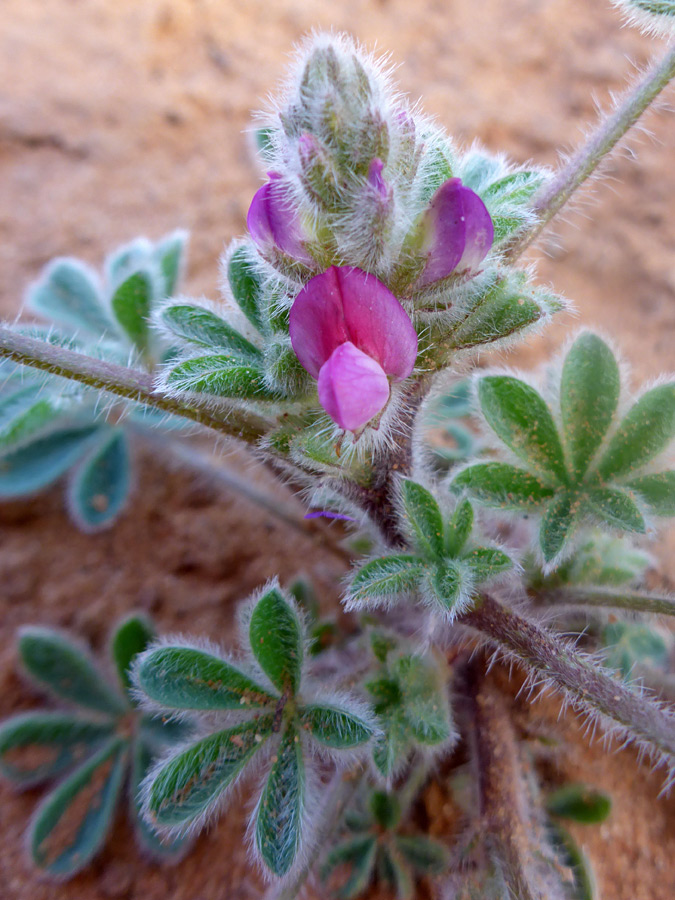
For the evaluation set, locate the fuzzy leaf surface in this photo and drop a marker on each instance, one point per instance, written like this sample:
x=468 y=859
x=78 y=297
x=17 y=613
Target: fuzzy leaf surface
x=170 y=254
x=628 y=643
x=458 y=529
x=423 y=517
x=386 y=576
x=425 y=856
x=35 y=466
x=657 y=492
x=557 y=524
x=189 y=678
x=245 y=286
x=131 y=637
x=221 y=375
x=335 y=727
x=276 y=636
x=204 y=328
x=132 y=303
x=487 y=562
x=101 y=483
x=358 y=854
x=504 y=486
x=616 y=509
x=280 y=811
x=68 y=294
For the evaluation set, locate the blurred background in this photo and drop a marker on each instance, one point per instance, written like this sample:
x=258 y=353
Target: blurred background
x=128 y=117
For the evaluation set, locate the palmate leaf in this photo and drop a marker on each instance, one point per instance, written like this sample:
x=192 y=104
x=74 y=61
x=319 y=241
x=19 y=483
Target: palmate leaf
x=423 y=518
x=606 y=560
x=34 y=467
x=502 y=485
x=131 y=637
x=278 y=818
x=589 y=394
x=449 y=582
x=522 y=420
x=336 y=727
x=37 y=746
x=69 y=294
x=189 y=678
x=385 y=577
x=64 y=669
x=220 y=375
x=72 y=823
x=385 y=809
x=277 y=639
x=100 y=485
x=192 y=781
x=205 y=328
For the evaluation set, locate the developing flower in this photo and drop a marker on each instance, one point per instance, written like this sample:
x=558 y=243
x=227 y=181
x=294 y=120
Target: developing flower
x=273 y=222
x=350 y=333
x=457 y=232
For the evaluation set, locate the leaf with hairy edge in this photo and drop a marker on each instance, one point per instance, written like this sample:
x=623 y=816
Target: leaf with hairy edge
x=205 y=328
x=390 y=750
x=386 y=809
x=501 y=312
x=589 y=394
x=657 y=492
x=36 y=746
x=72 y=823
x=220 y=375
x=100 y=485
x=557 y=524
x=523 y=421
x=278 y=825
x=68 y=293
x=245 y=286
x=423 y=518
x=385 y=577
x=426 y=856
x=35 y=466
x=425 y=702
x=335 y=727
x=131 y=637
x=192 y=781
x=132 y=303
x=357 y=853
x=579 y=803
x=276 y=636
x=447 y=583
x=458 y=529
x=170 y=254
x=161 y=848
x=189 y=678
x=574 y=860
x=501 y=485
x=616 y=509
x=25 y=413
x=647 y=429
x=64 y=669
x=487 y=562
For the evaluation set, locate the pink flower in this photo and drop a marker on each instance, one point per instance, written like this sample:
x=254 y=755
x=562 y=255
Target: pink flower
x=458 y=232
x=352 y=335
x=273 y=222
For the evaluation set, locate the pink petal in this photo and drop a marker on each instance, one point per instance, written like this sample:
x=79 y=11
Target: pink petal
x=347 y=304
x=459 y=232
x=272 y=220
x=352 y=387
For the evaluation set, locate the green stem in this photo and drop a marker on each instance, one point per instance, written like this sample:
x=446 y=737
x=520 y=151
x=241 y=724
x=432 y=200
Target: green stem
x=549 y=201
x=132 y=384
x=601 y=597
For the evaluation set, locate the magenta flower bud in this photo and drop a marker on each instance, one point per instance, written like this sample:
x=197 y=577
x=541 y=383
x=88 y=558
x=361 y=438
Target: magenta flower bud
x=376 y=181
x=350 y=332
x=458 y=232
x=274 y=223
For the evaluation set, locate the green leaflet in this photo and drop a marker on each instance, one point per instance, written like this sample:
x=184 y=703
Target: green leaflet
x=606 y=560
x=359 y=854
x=64 y=669
x=335 y=727
x=170 y=254
x=37 y=746
x=423 y=518
x=616 y=509
x=458 y=529
x=100 y=485
x=385 y=809
x=391 y=870
x=557 y=524
x=579 y=803
x=68 y=293
x=188 y=678
x=657 y=492
x=523 y=421
x=193 y=780
x=384 y=577
x=448 y=581
x=220 y=375
x=424 y=855
x=132 y=304
x=487 y=562
x=200 y=326
x=72 y=823
x=499 y=484
x=23 y=414
x=131 y=637
x=245 y=286
x=589 y=394
x=276 y=636
x=424 y=699
x=280 y=811
x=35 y=466
x=646 y=430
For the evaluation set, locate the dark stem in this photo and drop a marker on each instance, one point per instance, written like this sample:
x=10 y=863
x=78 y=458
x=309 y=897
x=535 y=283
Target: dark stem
x=589 y=687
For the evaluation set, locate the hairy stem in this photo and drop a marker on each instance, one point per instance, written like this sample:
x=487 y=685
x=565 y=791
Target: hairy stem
x=340 y=795
x=635 y=601
x=132 y=384
x=589 y=687
x=549 y=201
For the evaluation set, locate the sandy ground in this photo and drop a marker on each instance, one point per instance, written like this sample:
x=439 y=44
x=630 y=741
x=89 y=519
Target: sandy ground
x=127 y=117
